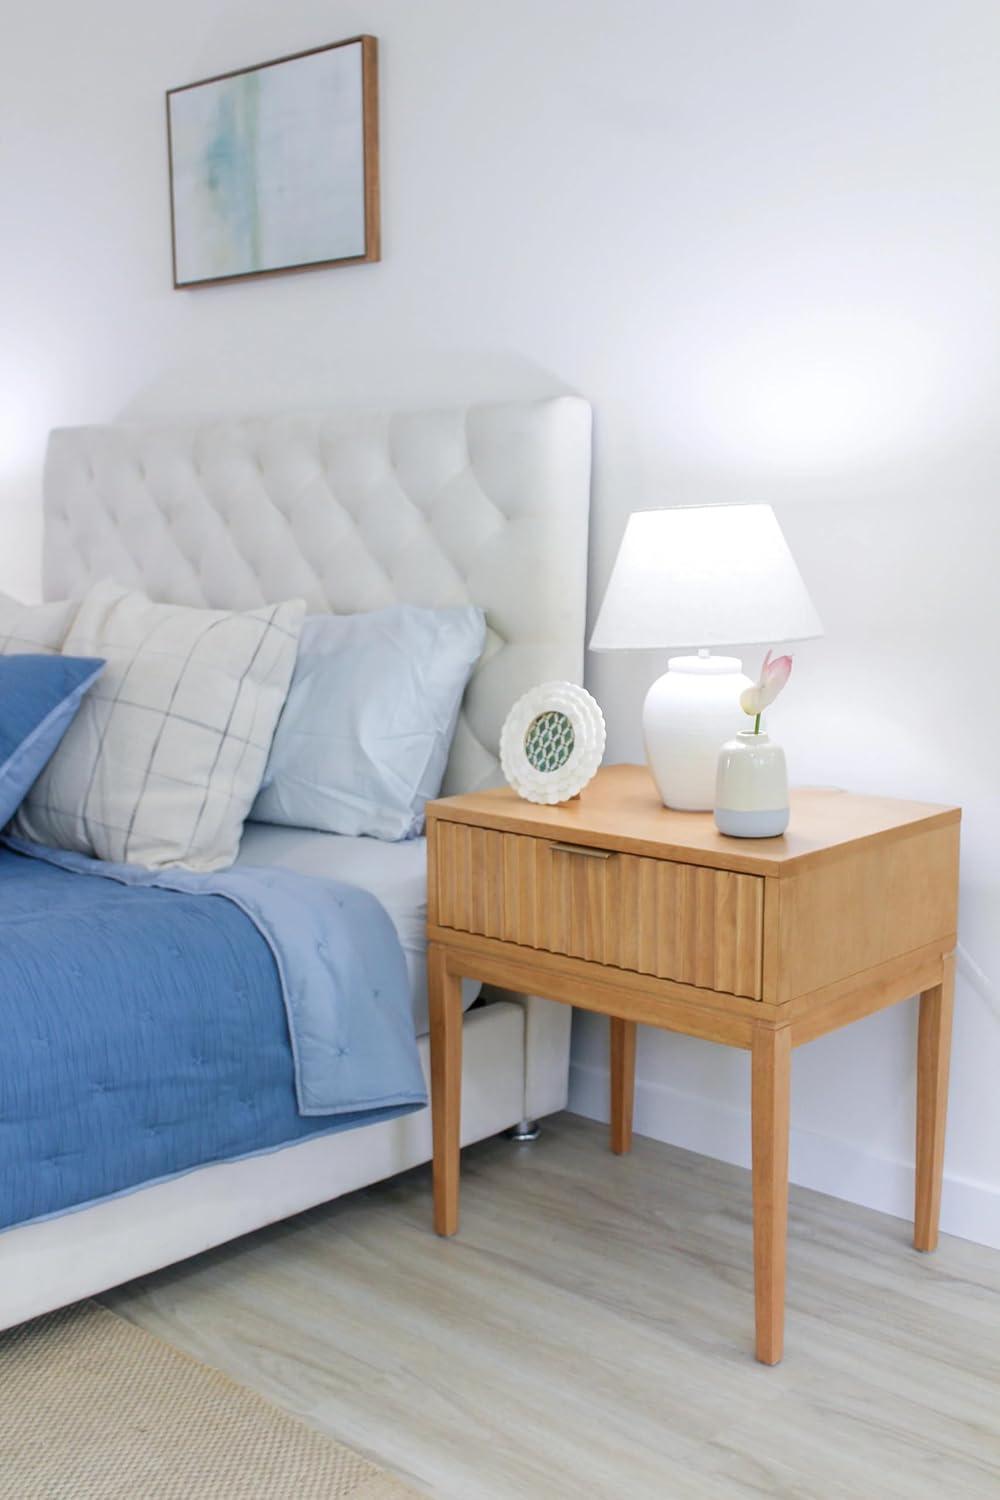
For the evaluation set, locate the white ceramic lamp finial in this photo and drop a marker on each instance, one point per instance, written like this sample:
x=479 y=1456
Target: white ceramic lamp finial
x=700 y=576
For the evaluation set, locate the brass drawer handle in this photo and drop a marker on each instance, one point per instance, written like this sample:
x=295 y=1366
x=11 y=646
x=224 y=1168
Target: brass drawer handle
x=582 y=849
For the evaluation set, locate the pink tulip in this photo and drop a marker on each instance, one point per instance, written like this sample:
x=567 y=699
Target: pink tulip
x=773 y=676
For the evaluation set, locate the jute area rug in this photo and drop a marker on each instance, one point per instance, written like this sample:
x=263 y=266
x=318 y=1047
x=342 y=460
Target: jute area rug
x=93 y=1408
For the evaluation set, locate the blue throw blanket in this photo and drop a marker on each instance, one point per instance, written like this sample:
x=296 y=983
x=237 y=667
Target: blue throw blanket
x=149 y=1026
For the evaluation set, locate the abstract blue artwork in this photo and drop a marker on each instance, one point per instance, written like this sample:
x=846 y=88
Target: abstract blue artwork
x=275 y=167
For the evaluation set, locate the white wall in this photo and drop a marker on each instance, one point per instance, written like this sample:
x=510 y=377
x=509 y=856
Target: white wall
x=760 y=235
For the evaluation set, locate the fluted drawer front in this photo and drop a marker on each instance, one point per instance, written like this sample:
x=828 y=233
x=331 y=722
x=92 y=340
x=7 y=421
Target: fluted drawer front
x=683 y=922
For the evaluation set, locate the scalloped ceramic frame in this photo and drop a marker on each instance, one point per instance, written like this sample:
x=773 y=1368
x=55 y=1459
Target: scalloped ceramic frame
x=572 y=741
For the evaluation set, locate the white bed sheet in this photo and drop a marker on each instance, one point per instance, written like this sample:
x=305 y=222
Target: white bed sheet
x=396 y=873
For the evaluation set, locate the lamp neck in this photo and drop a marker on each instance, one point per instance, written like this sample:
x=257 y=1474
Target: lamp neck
x=705 y=664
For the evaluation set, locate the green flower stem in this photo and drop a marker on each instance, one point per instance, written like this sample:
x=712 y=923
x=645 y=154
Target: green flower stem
x=756 y=725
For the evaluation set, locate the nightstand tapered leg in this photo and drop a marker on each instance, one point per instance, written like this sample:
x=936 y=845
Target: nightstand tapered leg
x=771 y=1068
x=622 y=1084
x=933 y=1059
x=444 y=994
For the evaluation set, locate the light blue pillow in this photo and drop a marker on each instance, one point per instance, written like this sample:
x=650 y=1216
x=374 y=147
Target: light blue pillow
x=39 y=697
x=363 y=740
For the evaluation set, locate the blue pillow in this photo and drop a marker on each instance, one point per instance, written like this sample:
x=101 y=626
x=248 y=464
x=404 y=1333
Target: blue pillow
x=364 y=738
x=39 y=697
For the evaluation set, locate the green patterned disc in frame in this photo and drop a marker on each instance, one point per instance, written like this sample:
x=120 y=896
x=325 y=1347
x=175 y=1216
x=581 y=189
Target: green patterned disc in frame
x=549 y=741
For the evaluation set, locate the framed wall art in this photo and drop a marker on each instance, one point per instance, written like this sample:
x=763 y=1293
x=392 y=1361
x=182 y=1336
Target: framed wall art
x=275 y=167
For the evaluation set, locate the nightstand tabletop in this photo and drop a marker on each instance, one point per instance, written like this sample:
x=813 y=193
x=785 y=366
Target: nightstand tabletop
x=621 y=810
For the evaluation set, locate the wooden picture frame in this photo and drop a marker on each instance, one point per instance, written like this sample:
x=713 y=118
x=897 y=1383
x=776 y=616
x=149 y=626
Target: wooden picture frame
x=275 y=168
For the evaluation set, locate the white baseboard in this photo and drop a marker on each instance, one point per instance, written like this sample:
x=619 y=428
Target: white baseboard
x=970 y=1210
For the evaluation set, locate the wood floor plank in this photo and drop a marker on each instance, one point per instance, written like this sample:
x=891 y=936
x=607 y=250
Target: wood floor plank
x=589 y=1334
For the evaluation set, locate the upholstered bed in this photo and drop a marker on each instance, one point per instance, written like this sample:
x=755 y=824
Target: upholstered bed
x=352 y=512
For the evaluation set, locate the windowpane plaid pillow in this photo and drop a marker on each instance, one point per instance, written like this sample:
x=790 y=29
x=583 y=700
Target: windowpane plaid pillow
x=163 y=761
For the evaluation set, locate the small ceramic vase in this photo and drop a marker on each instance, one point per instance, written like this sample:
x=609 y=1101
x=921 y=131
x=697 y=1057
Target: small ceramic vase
x=751 y=787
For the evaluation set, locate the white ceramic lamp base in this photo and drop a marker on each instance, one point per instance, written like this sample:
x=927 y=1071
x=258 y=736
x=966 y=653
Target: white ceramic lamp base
x=688 y=715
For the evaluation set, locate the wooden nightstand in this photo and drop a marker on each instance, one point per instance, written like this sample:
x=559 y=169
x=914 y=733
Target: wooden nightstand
x=616 y=904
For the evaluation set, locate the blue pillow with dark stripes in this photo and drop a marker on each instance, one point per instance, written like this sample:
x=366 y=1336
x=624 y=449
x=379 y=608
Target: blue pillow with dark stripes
x=39 y=697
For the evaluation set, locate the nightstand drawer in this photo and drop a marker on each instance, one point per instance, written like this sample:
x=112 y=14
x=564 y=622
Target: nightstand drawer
x=653 y=916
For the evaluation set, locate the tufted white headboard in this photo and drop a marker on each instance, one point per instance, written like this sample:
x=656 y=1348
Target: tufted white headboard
x=350 y=510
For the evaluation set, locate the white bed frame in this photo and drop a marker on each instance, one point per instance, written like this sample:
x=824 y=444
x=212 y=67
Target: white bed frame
x=487 y=504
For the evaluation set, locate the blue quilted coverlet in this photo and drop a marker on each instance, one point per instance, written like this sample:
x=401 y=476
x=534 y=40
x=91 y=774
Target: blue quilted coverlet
x=152 y=1022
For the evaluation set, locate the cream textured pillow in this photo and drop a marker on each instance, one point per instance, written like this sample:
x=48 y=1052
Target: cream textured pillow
x=35 y=629
x=164 y=759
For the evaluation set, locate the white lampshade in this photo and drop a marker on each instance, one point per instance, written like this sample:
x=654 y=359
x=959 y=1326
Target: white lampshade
x=704 y=576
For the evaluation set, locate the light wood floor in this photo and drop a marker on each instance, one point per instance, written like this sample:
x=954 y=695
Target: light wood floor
x=589 y=1334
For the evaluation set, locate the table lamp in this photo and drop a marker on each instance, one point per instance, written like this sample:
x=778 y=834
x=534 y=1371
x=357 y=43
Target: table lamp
x=700 y=576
